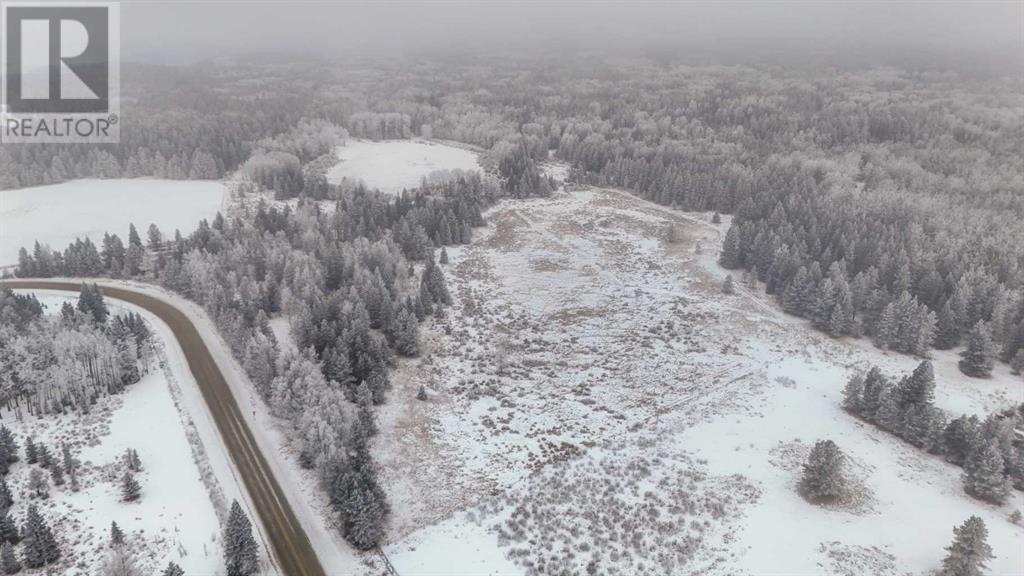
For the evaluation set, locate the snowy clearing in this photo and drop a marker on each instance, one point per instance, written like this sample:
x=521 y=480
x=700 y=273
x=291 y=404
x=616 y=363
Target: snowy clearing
x=60 y=213
x=392 y=165
x=580 y=331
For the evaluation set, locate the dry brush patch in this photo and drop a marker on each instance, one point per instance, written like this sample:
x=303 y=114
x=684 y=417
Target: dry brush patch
x=634 y=509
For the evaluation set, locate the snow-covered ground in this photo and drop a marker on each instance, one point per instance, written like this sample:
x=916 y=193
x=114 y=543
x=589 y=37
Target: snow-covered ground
x=393 y=165
x=60 y=213
x=584 y=346
x=184 y=484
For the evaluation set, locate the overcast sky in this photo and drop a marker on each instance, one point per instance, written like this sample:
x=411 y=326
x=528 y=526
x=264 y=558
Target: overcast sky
x=193 y=29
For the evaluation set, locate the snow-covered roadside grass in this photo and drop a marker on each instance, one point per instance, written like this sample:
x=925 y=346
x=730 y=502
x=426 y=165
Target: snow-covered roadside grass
x=176 y=518
x=579 y=326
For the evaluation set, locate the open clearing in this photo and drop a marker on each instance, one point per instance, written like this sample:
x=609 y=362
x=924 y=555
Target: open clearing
x=597 y=405
x=393 y=165
x=60 y=213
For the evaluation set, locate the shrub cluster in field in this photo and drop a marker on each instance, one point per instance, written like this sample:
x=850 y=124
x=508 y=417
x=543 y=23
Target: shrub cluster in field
x=618 y=512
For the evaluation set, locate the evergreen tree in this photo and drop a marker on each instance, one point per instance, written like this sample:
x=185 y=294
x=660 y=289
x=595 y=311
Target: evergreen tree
x=443 y=259
x=422 y=393
x=57 y=474
x=132 y=460
x=947 y=329
x=406 y=339
x=241 y=553
x=985 y=478
x=9 y=444
x=354 y=491
x=45 y=458
x=1017 y=363
x=116 y=535
x=875 y=387
x=31 y=456
x=732 y=251
x=130 y=488
x=8 y=562
x=969 y=551
x=978 y=359
x=8 y=529
x=823 y=472
x=6 y=499
x=917 y=389
x=39 y=546
x=961 y=436
x=172 y=570
x=852 y=393
x=69 y=461
x=727 y=287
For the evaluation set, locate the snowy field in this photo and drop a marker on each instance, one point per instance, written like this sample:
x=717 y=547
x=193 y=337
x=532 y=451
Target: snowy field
x=176 y=518
x=58 y=214
x=593 y=389
x=393 y=165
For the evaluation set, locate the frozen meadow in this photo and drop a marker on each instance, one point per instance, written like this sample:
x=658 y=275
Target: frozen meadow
x=394 y=165
x=60 y=213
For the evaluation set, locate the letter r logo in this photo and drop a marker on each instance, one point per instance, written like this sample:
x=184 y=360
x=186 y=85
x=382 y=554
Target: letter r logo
x=57 y=58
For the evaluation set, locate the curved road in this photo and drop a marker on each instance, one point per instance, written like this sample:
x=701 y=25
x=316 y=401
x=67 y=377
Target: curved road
x=290 y=543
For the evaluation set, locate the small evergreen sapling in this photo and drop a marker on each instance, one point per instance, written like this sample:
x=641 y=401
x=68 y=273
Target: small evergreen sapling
x=727 y=286
x=172 y=570
x=969 y=551
x=116 y=535
x=37 y=484
x=130 y=488
x=823 y=473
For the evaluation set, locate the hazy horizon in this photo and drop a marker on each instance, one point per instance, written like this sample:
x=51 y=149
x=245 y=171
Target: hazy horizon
x=226 y=28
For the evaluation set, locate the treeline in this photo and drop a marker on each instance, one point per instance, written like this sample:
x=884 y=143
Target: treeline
x=54 y=364
x=988 y=450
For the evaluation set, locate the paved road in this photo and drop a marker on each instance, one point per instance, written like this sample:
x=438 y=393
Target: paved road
x=291 y=545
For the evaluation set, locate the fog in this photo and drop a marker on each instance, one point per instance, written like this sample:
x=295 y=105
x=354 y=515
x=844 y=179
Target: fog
x=176 y=31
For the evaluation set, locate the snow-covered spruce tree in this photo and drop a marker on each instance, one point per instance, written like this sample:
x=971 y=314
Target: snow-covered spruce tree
x=359 y=499
x=172 y=570
x=406 y=328
x=90 y=301
x=8 y=529
x=852 y=393
x=727 y=285
x=978 y=359
x=822 y=478
x=422 y=393
x=732 y=252
x=57 y=475
x=6 y=498
x=876 y=386
x=9 y=444
x=45 y=457
x=31 y=456
x=241 y=553
x=39 y=546
x=130 y=488
x=443 y=259
x=986 y=478
x=116 y=535
x=961 y=437
x=1017 y=362
x=132 y=460
x=969 y=551
x=8 y=562
x=69 y=461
